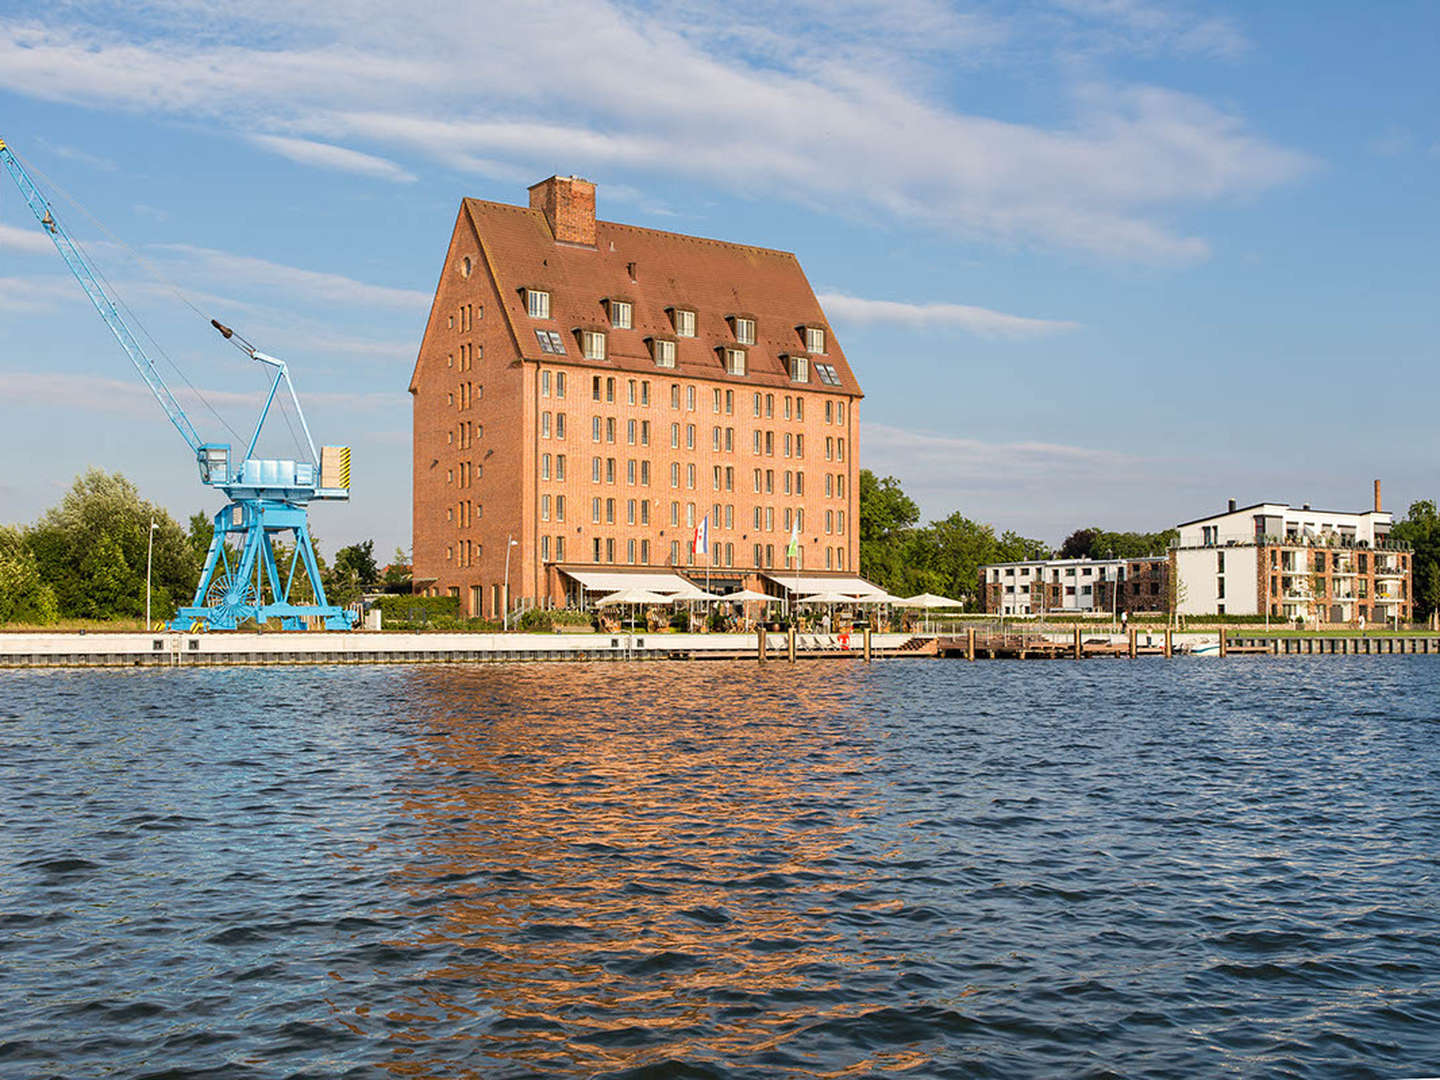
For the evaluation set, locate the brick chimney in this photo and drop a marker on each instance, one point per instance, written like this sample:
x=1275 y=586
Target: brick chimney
x=568 y=203
x=1377 y=496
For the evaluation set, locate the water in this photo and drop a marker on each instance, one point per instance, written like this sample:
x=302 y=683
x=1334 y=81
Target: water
x=921 y=868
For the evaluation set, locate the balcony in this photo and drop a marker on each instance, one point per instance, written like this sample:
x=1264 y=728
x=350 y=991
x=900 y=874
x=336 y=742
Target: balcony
x=1388 y=571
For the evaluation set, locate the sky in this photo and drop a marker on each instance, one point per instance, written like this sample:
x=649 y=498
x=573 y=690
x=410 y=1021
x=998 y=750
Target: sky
x=1094 y=262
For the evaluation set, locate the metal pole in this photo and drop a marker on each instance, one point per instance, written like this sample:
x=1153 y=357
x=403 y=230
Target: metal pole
x=149 y=557
x=505 y=619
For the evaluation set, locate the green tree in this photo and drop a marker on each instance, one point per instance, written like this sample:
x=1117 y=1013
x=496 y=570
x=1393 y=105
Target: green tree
x=358 y=561
x=100 y=518
x=1080 y=544
x=1421 y=530
x=397 y=576
x=24 y=596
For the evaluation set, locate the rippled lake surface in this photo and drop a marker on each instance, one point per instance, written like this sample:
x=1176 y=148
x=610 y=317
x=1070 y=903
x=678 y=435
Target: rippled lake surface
x=1186 y=868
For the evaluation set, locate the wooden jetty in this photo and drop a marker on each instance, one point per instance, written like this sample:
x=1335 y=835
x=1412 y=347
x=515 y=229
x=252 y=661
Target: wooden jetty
x=980 y=643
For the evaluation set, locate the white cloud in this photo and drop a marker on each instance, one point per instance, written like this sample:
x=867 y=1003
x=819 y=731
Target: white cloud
x=15 y=238
x=976 y=320
x=130 y=397
x=246 y=269
x=36 y=293
x=840 y=113
x=326 y=156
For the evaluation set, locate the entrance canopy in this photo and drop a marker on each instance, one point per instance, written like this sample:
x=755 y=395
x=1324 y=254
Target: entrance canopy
x=671 y=586
x=852 y=588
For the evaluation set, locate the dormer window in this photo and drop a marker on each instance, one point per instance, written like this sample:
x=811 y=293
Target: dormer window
x=622 y=315
x=592 y=344
x=663 y=351
x=799 y=369
x=684 y=322
x=734 y=361
x=537 y=303
x=744 y=330
x=814 y=340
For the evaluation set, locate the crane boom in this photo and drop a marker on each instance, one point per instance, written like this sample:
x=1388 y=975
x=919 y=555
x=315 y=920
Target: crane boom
x=107 y=307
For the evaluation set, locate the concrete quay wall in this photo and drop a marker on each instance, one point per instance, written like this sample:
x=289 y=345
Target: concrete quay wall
x=169 y=649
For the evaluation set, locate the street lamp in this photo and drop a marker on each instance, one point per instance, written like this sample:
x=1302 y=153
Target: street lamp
x=510 y=542
x=149 y=558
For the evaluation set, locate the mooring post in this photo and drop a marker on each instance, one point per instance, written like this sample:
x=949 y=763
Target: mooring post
x=1130 y=644
x=867 y=644
x=969 y=643
x=1224 y=642
x=760 y=644
x=790 y=644
x=1169 y=644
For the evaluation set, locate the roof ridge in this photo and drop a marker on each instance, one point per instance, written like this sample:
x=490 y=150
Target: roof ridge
x=646 y=229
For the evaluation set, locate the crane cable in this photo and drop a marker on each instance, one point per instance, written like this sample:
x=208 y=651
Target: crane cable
x=118 y=299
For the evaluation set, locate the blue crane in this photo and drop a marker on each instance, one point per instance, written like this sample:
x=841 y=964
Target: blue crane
x=267 y=497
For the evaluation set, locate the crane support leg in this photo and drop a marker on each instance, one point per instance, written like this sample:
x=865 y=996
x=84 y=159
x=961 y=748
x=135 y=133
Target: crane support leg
x=229 y=596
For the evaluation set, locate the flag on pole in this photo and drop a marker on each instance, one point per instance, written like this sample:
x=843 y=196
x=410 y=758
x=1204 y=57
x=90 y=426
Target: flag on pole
x=793 y=550
x=701 y=543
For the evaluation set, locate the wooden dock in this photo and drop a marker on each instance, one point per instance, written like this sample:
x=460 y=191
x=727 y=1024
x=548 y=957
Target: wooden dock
x=1024 y=644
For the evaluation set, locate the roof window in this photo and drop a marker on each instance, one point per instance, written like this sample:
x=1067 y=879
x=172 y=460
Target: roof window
x=537 y=303
x=735 y=361
x=827 y=374
x=814 y=339
x=684 y=322
x=622 y=314
x=799 y=369
x=744 y=330
x=550 y=342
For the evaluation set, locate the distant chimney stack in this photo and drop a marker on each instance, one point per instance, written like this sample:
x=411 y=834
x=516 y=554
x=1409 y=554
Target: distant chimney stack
x=1377 y=496
x=568 y=203
x=1232 y=506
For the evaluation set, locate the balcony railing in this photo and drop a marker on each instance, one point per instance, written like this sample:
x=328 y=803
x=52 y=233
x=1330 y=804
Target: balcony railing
x=1330 y=540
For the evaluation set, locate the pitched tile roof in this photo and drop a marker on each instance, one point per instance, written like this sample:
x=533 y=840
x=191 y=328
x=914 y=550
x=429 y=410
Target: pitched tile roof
x=713 y=278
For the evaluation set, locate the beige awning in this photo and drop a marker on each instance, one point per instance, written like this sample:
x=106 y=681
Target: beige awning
x=854 y=588
x=608 y=581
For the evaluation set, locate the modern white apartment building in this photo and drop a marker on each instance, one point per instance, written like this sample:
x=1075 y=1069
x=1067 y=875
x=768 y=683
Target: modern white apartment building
x=1045 y=586
x=1326 y=566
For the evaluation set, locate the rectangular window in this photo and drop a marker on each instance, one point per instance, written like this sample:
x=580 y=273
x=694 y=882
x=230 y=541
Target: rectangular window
x=675 y=436
x=645 y=513
x=745 y=331
x=544 y=466
x=735 y=361
x=620 y=315
x=644 y=474
x=814 y=339
x=674 y=474
x=537 y=303
x=595 y=468
x=559 y=384
x=689 y=436
x=664 y=352
x=595 y=510
x=545 y=384
x=560 y=515
x=799 y=369
x=545 y=425
x=545 y=547
x=644 y=432
x=684 y=323
x=559 y=425
x=559 y=466
x=630 y=431
x=597 y=429
x=544 y=507
x=609 y=429
x=550 y=342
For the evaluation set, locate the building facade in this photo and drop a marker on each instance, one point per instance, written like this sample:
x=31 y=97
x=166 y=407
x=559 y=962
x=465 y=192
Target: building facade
x=589 y=394
x=1061 y=586
x=1327 y=567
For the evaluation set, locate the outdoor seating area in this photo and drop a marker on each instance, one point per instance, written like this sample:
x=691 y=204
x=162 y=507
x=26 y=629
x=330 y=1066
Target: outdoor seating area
x=657 y=602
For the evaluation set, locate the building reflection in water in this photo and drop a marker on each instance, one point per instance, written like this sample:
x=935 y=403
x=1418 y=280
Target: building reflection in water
x=615 y=866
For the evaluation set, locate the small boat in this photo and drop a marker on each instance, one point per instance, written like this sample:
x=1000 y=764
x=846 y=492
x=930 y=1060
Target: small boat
x=1205 y=648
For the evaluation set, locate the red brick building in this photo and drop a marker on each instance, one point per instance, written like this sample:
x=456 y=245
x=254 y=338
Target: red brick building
x=592 y=391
